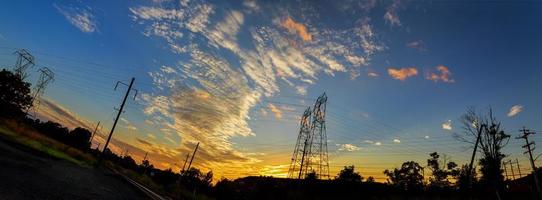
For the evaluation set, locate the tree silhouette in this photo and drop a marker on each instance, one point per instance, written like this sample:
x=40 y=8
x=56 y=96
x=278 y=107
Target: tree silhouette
x=492 y=141
x=349 y=175
x=14 y=95
x=462 y=177
x=79 y=138
x=311 y=176
x=440 y=170
x=408 y=177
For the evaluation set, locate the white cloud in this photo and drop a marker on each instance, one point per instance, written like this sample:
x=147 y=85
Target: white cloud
x=252 y=5
x=348 y=147
x=302 y=90
x=82 y=17
x=514 y=110
x=391 y=16
x=378 y=143
x=426 y=137
x=447 y=125
x=396 y=141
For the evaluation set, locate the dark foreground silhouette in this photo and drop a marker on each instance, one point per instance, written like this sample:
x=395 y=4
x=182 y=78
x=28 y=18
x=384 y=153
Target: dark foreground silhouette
x=28 y=174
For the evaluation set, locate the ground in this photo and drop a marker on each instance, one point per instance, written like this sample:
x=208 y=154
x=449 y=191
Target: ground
x=29 y=174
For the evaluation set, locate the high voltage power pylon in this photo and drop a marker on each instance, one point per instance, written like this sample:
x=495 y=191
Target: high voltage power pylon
x=25 y=60
x=298 y=165
x=46 y=76
x=310 y=153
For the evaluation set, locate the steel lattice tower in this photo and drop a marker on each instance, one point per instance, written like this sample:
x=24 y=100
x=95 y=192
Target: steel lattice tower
x=298 y=166
x=25 y=60
x=310 y=153
x=318 y=150
x=46 y=76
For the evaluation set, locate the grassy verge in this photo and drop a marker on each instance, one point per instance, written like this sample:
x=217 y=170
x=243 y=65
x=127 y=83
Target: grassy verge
x=28 y=137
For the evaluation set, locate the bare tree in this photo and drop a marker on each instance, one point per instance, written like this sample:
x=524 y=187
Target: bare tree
x=492 y=141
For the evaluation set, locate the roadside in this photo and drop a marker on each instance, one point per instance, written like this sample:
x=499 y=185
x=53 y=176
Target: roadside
x=26 y=173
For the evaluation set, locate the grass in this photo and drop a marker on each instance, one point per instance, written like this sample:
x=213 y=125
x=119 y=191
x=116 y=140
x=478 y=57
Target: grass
x=28 y=137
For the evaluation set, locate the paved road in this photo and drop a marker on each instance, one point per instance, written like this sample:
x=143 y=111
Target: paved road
x=28 y=174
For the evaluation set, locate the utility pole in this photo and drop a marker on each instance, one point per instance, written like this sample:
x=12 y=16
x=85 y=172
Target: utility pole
x=145 y=158
x=525 y=136
x=185 y=161
x=118 y=114
x=519 y=169
x=474 y=153
x=94 y=133
x=193 y=154
x=512 y=168
x=505 y=171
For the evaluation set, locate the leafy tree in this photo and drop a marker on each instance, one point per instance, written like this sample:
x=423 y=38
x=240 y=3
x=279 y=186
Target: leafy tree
x=462 y=177
x=492 y=141
x=370 y=179
x=194 y=178
x=349 y=175
x=14 y=95
x=408 y=177
x=79 y=138
x=440 y=169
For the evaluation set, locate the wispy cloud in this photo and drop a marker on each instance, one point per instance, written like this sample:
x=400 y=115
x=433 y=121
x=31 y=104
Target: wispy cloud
x=297 y=28
x=397 y=141
x=447 y=125
x=80 y=17
x=391 y=16
x=403 y=73
x=372 y=74
x=348 y=147
x=514 y=110
x=275 y=110
x=443 y=75
x=418 y=45
x=302 y=90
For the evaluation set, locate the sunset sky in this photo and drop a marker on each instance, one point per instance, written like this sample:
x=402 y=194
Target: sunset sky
x=237 y=75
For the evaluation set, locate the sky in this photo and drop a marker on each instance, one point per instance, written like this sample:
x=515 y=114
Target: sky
x=236 y=76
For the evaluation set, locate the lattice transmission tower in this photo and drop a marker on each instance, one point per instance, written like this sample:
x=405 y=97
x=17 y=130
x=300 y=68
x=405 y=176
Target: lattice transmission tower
x=46 y=76
x=25 y=60
x=310 y=154
x=298 y=166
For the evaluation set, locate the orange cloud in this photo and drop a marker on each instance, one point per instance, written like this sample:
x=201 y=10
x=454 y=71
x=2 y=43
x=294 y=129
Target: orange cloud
x=403 y=73
x=444 y=75
x=275 y=110
x=298 y=28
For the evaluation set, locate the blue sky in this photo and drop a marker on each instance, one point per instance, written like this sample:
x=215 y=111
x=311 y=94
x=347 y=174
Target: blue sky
x=236 y=75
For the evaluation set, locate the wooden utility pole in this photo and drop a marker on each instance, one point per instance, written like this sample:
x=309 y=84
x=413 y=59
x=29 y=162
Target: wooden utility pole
x=185 y=161
x=512 y=168
x=118 y=114
x=505 y=171
x=474 y=153
x=519 y=169
x=193 y=154
x=94 y=133
x=528 y=146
